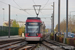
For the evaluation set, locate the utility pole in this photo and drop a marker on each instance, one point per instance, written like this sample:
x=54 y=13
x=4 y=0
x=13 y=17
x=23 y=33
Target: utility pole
x=53 y=16
x=52 y=23
x=58 y=15
x=3 y=17
x=66 y=34
x=66 y=18
x=9 y=23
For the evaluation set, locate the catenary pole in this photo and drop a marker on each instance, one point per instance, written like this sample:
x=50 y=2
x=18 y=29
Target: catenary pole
x=58 y=15
x=9 y=23
x=66 y=18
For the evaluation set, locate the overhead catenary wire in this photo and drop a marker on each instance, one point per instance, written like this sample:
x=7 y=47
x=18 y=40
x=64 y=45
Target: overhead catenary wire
x=8 y=4
x=20 y=7
x=45 y=4
x=13 y=6
x=3 y=2
x=34 y=2
x=45 y=14
x=16 y=3
x=49 y=4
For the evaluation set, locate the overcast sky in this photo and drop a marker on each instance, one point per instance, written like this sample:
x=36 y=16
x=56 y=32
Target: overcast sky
x=21 y=15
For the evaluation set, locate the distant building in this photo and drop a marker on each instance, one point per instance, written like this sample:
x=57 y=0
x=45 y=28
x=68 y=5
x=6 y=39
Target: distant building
x=21 y=23
x=6 y=23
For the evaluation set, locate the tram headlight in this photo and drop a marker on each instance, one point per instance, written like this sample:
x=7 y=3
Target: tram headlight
x=27 y=33
x=37 y=33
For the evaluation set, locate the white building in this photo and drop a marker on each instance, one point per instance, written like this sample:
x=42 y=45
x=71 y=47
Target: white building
x=21 y=23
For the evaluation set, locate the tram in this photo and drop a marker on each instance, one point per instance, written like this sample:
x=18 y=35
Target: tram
x=35 y=29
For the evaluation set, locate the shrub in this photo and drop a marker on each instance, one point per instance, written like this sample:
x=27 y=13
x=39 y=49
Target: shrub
x=20 y=31
x=68 y=40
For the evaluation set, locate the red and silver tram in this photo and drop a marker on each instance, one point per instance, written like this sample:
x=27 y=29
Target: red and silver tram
x=35 y=29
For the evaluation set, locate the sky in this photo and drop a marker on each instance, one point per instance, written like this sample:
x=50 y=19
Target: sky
x=45 y=15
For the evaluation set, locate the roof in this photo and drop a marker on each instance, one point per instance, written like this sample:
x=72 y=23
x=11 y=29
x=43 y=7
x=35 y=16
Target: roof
x=33 y=18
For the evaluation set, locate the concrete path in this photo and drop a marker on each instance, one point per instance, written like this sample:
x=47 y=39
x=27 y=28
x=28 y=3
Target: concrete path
x=3 y=38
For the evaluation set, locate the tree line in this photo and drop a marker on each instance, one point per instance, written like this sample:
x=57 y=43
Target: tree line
x=14 y=23
x=21 y=29
x=71 y=25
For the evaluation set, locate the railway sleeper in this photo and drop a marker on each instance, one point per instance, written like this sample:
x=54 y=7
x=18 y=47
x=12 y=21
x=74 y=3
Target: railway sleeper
x=64 y=46
x=9 y=44
x=26 y=48
x=15 y=47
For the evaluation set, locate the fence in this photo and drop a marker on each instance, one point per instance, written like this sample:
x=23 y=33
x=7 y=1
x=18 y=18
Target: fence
x=4 y=30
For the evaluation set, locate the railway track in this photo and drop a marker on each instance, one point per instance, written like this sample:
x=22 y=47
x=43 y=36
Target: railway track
x=10 y=41
x=30 y=46
x=23 y=45
x=18 y=45
x=61 y=45
x=56 y=45
x=44 y=45
x=51 y=46
x=13 y=46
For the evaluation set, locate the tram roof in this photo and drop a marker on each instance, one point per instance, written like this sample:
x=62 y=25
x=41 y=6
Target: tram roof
x=33 y=18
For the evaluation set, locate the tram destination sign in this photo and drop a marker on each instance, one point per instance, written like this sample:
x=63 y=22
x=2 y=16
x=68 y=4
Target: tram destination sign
x=32 y=23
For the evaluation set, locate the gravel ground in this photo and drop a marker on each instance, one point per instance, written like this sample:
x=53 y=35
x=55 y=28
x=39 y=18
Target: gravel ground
x=41 y=47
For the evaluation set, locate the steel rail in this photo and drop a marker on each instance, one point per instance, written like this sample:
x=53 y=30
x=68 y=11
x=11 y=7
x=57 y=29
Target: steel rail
x=15 y=46
x=61 y=45
x=52 y=46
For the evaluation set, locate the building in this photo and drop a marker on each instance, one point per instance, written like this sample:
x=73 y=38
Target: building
x=21 y=23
